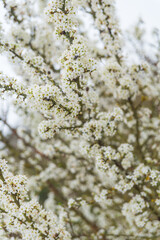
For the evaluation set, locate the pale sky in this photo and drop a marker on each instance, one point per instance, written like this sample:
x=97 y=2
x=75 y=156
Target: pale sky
x=129 y=11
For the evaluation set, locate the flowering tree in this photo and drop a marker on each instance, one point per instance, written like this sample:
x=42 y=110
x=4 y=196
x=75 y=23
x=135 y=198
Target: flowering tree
x=88 y=133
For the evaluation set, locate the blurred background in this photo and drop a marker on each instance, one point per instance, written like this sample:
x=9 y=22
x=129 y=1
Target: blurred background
x=129 y=11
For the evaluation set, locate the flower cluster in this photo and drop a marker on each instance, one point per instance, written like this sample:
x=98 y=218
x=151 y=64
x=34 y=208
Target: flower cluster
x=26 y=218
x=83 y=126
x=62 y=14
